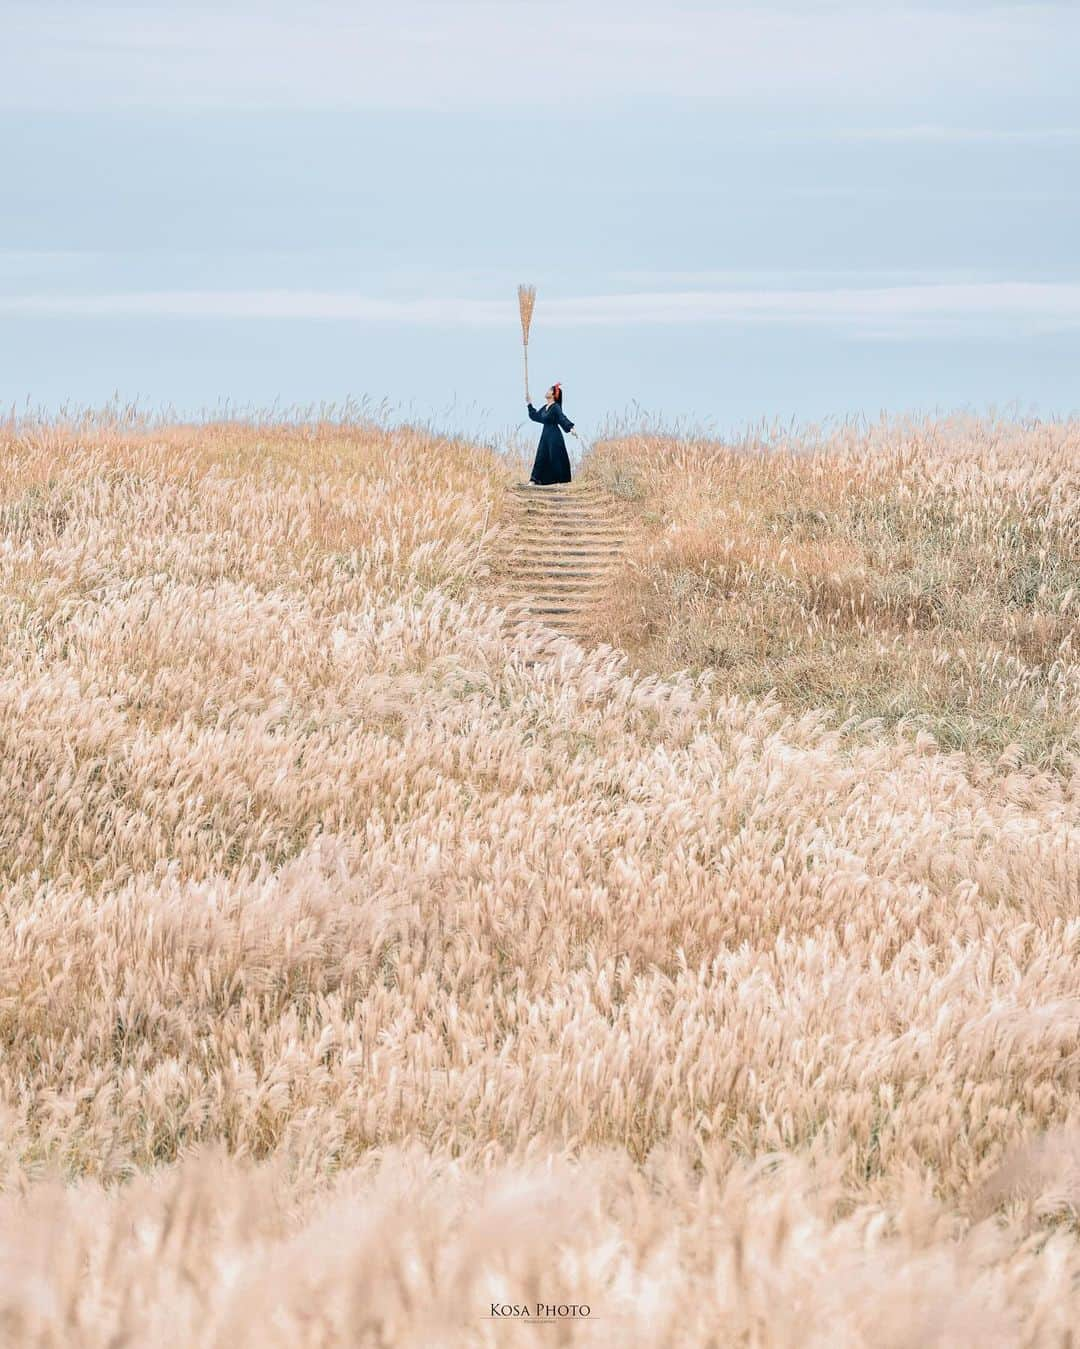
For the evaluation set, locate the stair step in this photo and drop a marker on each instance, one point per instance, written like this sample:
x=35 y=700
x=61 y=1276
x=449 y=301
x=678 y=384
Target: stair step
x=568 y=536
x=563 y=611
x=566 y=508
x=557 y=535
x=541 y=599
x=556 y=507
x=591 y=500
x=568 y=626
x=567 y=569
x=510 y=593
x=578 y=503
x=538 y=556
x=540 y=553
x=559 y=547
x=566 y=526
x=555 y=545
x=535 y=597
x=546 y=585
x=565 y=554
x=535 y=518
x=524 y=612
x=564 y=576
x=541 y=557
x=560 y=576
x=589 y=584
x=574 y=485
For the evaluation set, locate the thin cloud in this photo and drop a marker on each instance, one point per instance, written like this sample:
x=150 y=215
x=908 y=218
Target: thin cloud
x=792 y=278
x=958 y=135
x=1002 y=306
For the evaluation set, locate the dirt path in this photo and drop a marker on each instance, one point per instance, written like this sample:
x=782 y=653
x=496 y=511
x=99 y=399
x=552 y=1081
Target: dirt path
x=558 y=559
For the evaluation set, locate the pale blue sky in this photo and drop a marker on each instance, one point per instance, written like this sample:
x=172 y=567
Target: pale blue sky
x=732 y=214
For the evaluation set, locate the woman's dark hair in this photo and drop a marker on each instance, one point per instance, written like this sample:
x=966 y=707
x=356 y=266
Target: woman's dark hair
x=558 y=393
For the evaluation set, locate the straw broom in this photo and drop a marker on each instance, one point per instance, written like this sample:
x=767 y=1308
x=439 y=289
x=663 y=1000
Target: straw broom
x=526 y=300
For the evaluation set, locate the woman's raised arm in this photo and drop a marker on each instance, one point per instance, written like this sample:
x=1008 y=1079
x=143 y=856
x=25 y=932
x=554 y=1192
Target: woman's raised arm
x=533 y=414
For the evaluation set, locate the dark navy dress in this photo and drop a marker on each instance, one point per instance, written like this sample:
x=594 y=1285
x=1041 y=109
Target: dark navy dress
x=552 y=463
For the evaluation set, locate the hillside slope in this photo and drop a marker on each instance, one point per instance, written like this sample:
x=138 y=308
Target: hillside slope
x=369 y=958
x=927 y=573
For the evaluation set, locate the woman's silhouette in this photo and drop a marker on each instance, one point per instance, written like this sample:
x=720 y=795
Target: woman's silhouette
x=552 y=463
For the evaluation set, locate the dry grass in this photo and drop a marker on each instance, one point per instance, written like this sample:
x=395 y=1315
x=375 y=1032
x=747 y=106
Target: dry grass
x=362 y=964
x=927 y=574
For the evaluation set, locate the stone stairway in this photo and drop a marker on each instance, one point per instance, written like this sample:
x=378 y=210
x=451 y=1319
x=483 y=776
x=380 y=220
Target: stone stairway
x=559 y=559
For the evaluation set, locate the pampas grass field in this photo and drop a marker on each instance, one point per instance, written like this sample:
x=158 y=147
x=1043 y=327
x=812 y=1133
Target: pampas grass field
x=369 y=965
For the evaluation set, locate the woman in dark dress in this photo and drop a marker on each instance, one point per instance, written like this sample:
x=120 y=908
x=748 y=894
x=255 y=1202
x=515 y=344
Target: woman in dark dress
x=552 y=463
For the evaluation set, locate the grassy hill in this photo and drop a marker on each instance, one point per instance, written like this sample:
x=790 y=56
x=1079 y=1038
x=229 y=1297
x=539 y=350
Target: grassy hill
x=927 y=574
x=366 y=960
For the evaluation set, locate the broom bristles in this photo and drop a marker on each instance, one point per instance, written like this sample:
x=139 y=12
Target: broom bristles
x=526 y=300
